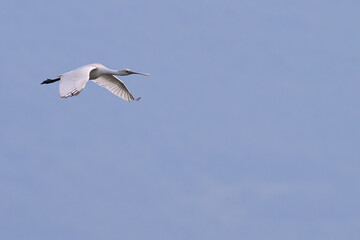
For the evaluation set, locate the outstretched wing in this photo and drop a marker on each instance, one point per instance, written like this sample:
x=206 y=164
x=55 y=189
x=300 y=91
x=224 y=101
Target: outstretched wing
x=116 y=86
x=73 y=82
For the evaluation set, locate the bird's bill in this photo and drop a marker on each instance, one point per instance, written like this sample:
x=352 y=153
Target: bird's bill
x=145 y=74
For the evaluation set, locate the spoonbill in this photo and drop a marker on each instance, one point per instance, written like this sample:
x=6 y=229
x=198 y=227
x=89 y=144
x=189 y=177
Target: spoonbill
x=73 y=82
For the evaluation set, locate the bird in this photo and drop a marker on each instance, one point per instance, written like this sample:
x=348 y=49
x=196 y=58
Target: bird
x=73 y=82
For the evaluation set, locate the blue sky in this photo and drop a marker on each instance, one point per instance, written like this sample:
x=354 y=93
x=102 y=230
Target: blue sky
x=248 y=127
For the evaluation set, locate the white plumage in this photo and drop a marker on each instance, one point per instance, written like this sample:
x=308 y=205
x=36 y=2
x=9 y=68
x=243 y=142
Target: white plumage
x=73 y=82
x=114 y=85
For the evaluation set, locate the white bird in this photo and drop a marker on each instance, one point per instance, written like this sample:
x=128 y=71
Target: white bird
x=73 y=82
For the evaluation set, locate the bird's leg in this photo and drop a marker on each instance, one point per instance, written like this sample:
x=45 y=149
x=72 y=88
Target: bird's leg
x=47 y=81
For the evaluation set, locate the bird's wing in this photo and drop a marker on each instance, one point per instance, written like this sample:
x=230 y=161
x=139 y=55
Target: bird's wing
x=71 y=83
x=116 y=86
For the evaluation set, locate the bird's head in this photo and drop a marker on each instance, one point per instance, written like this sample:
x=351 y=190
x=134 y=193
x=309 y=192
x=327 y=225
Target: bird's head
x=126 y=72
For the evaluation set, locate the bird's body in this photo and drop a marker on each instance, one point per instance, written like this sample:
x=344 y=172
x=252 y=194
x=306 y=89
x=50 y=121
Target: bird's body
x=73 y=82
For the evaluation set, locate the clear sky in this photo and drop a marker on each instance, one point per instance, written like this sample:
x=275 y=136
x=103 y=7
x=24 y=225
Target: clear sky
x=248 y=127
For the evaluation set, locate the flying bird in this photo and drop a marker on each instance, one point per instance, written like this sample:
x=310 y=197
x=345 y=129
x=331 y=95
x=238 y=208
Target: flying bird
x=73 y=82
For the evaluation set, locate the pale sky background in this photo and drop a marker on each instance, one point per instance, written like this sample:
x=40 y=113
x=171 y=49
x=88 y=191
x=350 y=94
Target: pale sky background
x=248 y=127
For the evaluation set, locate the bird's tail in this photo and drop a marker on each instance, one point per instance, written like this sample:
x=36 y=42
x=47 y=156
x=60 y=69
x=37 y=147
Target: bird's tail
x=137 y=99
x=47 y=81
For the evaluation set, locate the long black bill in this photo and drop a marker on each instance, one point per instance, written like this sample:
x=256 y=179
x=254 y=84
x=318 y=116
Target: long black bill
x=47 y=81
